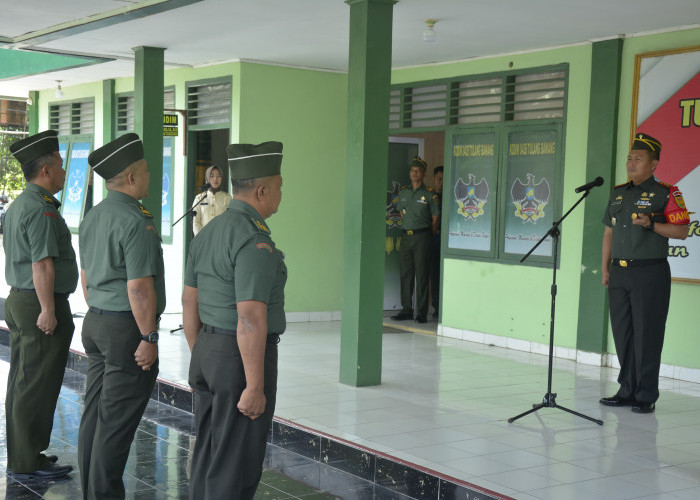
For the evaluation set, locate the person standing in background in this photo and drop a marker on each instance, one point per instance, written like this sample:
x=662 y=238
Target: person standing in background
x=438 y=173
x=212 y=202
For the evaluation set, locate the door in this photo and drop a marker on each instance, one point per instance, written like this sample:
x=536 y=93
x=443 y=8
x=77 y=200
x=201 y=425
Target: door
x=401 y=151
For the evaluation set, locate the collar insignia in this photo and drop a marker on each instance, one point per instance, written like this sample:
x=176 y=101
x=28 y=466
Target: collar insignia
x=144 y=211
x=261 y=226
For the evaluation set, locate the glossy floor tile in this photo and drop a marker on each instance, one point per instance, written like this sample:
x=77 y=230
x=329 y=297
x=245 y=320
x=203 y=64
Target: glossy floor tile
x=443 y=406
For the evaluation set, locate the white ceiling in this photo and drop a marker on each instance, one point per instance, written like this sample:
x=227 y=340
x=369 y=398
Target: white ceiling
x=314 y=33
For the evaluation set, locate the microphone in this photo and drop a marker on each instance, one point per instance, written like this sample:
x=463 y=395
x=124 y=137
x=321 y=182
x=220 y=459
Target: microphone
x=598 y=181
x=206 y=186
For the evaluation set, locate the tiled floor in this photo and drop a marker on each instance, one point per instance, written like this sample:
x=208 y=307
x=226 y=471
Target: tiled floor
x=444 y=404
x=158 y=466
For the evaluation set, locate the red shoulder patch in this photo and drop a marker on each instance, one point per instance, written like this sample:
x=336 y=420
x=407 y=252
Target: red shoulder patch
x=264 y=246
x=50 y=214
x=675 y=211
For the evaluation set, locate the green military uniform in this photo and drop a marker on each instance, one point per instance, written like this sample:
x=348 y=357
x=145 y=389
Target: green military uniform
x=233 y=259
x=118 y=242
x=34 y=230
x=417 y=207
x=639 y=286
x=435 y=265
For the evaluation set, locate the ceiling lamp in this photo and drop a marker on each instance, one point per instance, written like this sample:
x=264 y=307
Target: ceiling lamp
x=59 y=90
x=429 y=34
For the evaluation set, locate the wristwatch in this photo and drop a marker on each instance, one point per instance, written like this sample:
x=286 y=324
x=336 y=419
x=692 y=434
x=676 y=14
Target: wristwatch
x=151 y=338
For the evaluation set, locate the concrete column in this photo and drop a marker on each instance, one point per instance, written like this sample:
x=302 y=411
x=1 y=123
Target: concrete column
x=148 y=120
x=606 y=64
x=369 y=79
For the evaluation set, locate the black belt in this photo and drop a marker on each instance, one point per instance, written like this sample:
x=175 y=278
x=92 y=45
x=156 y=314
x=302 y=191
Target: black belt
x=97 y=310
x=272 y=338
x=416 y=231
x=31 y=290
x=636 y=262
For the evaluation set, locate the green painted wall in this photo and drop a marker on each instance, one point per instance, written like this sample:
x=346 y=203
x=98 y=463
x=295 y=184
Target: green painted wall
x=305 y=110
x=682 y=342
x=514 y=300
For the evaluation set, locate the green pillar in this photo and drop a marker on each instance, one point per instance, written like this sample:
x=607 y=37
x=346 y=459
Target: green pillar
x=148 y=120
x=33 y=113
x=592 y=334
x=108 y=107
x=369 y=79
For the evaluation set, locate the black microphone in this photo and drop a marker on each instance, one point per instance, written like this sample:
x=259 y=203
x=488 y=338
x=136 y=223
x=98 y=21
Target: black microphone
x=598 y=181
x=206 y=186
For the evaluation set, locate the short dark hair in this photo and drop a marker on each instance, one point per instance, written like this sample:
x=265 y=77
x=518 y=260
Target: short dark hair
x=240 y=186
x=438 y=169
x=31 y=169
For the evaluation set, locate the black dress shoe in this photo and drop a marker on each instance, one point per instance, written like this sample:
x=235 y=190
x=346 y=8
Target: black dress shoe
x=640 y=407
x=52 y=471
x=402 y=316
x=421 y=319
x=616 y=401
x=50 y=458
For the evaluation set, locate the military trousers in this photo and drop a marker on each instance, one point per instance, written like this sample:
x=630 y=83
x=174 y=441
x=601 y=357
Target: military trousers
x=37 y=365
x=116 y=394
x=414 y=264
x=230 y=447
x=639 y=298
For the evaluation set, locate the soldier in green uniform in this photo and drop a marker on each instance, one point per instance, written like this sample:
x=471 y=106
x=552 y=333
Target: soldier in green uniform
x=122 y=276
x=419 y=206
x=41 y=269
x=438 y=175
x=233 y=315
x=642 y=215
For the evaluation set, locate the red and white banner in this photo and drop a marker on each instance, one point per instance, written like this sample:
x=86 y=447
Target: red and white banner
x=668 y=108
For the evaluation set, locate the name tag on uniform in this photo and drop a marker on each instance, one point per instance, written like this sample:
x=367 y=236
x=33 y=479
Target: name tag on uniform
x=204 y=203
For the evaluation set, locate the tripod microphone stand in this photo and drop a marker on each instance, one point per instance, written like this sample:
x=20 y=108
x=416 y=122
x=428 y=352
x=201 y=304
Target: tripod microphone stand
x=191 y=211
x=550 y=399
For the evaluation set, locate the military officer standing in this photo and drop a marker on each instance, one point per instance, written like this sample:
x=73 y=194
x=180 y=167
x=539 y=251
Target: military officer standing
x=122 y=277
x=642 y=215
x=419 y=207
x=233 y=315
x=438 y=174
x=41 y=269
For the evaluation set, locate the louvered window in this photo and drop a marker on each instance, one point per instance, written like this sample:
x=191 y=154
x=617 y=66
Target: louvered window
x=74 y=118
x=470 y=100
x=537 y=96
x=209 y=103
x=125 y=113
x=126 y=110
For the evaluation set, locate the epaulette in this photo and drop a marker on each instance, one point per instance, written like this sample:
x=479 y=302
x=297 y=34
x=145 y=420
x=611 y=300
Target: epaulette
x=664 y=184
x=403 y=187
x=259 y=225
x=429 y=188
x=622 y=185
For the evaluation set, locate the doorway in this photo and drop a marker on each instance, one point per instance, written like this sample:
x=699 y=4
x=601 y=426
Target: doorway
x=206 y=148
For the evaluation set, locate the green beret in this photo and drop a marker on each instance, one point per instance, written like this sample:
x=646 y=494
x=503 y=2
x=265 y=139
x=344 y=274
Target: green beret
x=419 y=162
x=30 y=148
x=251 y=161
x=114 y=157
x=647 y=142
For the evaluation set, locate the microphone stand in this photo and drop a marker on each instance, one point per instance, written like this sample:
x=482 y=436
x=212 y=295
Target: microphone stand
x=191 y=211
x=550 y=399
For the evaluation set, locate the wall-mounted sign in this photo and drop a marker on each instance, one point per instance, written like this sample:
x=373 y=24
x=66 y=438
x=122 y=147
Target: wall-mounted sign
x=170 y=123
